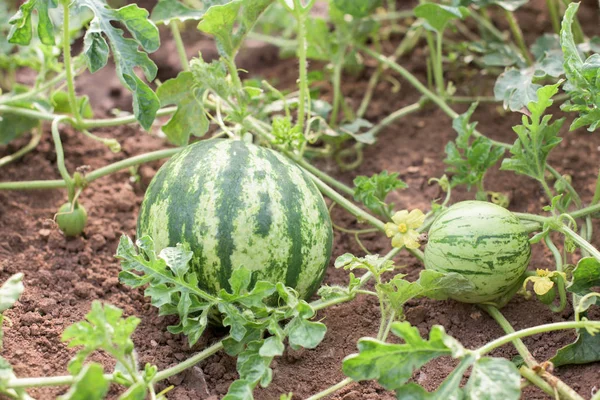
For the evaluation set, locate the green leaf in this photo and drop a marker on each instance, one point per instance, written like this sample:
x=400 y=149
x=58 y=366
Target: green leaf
x=230 y=23
x=432 y=284
x=438 y=16
x=61 y=104
x=469 y=162
x=167 y=10
x=358 y=9
x=10 y=291
x=172 y=284
x=536 y=137
x=494 y=379
x=585 y=349
x=239 y=390
x=516 y=88
x=393 y=364
x=190 y=117
x=583 y=77
x=22 y=29
x=372 y=191
x=509 y=5
x=103 y=330
x=13 y=126
x=135 y=392
x=585 y=276
x=126 y=53
x=303 y=333
x=90 y=384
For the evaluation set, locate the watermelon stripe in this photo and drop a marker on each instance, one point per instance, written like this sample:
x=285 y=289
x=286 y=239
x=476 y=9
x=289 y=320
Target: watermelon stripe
x=237 y=204
x=482 y=241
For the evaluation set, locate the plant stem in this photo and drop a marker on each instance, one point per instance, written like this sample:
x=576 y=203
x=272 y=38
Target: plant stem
x=331 y=389
x=421 y=88
x=94 y=175
x=515 y=338
x=391 y=118
x=581 y=242
x=66 y=48
x=553 y=10
x=7 y=99
x=324 y=177
x=348 y=205
x=537 y=380
x=337 y=85
x=302 y=64
x=439 y=74
x=174 y=370
x=36 y=135
x=183 y=59
x=129 y=119
x=518 y=35
x=60 y=159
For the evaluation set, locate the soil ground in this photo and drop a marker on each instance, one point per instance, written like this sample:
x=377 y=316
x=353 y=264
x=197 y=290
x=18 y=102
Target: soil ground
x=64 y=275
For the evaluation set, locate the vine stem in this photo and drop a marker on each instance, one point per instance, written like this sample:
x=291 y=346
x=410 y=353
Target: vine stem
x=515 y=337
x=331 y=389
x=6 y=99
x=518 y=35
x=300 y=15
x=60 y=159
x=36 y=135
x=94 y=175
x=67 y=62
x=581 y=242
x=553 y=10
x=183 y=59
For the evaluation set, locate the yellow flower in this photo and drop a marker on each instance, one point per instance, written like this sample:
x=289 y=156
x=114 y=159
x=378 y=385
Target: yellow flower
x=542 y=283
x=402 y=230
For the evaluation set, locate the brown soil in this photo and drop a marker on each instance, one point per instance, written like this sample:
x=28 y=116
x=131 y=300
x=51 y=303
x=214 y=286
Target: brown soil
x=64 y=275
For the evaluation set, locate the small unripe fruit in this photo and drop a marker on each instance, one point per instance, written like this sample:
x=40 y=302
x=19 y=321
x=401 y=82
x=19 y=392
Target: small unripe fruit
x=71 y=219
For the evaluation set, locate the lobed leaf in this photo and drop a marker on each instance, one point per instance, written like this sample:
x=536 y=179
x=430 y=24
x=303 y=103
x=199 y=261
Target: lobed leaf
x=229 y=23
x=22 y=27
x=536 y=137
x=393 y=364
x=372 y=191
x=438 y=16
x=90 y=384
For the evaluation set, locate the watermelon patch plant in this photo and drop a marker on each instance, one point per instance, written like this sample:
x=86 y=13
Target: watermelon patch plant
x=235 y=229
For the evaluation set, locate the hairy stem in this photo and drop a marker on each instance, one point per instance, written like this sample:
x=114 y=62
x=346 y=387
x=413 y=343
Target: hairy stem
x=183 y=59
x=515 y=337
x=36 y=135
x=553 y=11
x=66 y=47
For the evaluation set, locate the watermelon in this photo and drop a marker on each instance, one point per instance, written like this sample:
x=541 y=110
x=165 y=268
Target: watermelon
x=485 y=243
x=237 y=204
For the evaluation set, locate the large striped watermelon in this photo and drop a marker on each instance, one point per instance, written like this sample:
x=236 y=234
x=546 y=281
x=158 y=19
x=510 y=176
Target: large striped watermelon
x=485 y=243
x=236 y=204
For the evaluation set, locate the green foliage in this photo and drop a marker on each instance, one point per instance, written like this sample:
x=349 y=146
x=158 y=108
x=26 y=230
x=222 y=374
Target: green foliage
x=172 y=286
x=90 y=384
x=583 y=77
x=585 y=349
x=358 y=9
x=392 y=365
x=536 y=137
x=125 y=51
x=469 y=161
x=105 y=329
x=167 y=10
x=10 y=291
x=438 y=16
x=517 y=87
x=372 y=191
x=509 y=5
x=229 y=23
x=585 y=276
x=431 y=284
x=22 y=27
x=287 y=134
x=190 y=117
